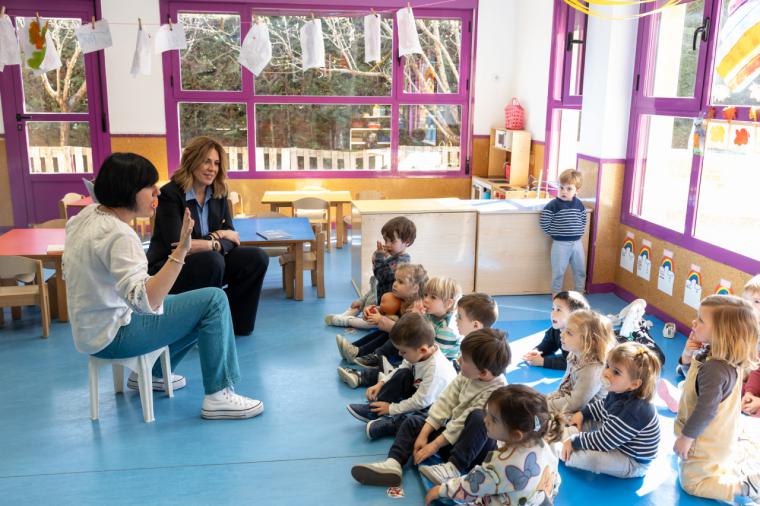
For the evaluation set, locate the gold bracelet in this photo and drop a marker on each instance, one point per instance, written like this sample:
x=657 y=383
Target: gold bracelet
x=176 y=260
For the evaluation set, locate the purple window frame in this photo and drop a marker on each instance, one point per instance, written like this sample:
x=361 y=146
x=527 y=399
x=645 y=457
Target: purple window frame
x=641 y=106
x=173 y=94
x=559 y=95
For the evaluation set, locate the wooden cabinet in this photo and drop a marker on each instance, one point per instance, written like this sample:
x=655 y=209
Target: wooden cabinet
x=511 y=146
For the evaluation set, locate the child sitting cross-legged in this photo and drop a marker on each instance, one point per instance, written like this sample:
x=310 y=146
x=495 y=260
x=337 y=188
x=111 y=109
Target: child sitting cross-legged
x=524 y=469
x=411 y=388
x=475 y=311
x=619 y=435
x=454 y=425
x=544 y=355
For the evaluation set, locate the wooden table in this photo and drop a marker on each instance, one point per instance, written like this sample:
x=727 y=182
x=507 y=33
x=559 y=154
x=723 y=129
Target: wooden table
x=33 y=243
x=298 y=232
x=278 y=199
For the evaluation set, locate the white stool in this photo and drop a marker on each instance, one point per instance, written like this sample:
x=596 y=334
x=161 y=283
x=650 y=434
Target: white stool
x=142 y=365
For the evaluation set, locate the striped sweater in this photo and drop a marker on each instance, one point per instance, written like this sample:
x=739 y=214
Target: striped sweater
x=446 y=337
x=629 y=424
x=564 y=221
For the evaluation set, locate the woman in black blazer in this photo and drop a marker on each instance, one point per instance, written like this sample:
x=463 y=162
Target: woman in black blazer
x=215 y=257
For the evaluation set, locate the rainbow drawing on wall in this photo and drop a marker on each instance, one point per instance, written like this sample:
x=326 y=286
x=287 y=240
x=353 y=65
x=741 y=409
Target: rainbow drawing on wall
x=666 y=275
x=627 y=254
x=629 y=244
x=667 y=263
x=695 y=277
x=692 y=292
x=723 y=290
x=738 y=55
x=646 y=252
x=644 y=263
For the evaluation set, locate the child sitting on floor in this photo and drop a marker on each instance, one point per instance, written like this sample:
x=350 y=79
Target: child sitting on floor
x=475 y=311
x=524 y=469
x=454 y=425
x=544 y=355
x=411 y=388
x=751 y=388
x=398 y=233
x=588 y=337
x=619 y=435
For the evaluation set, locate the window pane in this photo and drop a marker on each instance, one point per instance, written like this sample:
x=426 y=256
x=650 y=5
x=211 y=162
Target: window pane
x=576 y=59
x=323 y=137
x=736 y=75
x=663 y=163
x=727 y=214
x=56 y=147
x=437 y=71
x=569 y=139
x=58 y=90
x=213 y=45
x=226 y=123
x=345 y=74
x=429 y=137
x=675 y=69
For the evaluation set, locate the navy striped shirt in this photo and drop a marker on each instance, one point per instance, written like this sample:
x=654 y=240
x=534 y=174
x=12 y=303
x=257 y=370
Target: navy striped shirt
x=629 y=424
x=564 y=221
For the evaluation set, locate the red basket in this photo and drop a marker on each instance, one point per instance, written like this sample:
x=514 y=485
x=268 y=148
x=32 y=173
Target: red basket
x=514 y=116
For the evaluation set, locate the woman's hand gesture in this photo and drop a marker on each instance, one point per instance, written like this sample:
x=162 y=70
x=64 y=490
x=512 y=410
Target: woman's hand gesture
x=183 y=245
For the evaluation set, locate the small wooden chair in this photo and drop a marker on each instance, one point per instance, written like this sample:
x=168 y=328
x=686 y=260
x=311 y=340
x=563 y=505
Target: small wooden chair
x=13 y=295
x=235 y=203
x=313 y=260
x=318 y=212
x=63 y=204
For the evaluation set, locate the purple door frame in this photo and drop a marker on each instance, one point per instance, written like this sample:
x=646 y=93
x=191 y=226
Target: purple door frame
x=51 y=187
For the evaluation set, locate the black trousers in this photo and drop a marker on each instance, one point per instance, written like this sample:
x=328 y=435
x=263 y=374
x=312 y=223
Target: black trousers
x=378 y=341
x=468 y=451
x=242 y=270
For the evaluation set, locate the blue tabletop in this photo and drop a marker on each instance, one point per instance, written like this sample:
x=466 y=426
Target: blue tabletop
x=272 y=230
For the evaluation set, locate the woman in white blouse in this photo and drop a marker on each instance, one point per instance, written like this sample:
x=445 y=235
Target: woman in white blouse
x=117 y=310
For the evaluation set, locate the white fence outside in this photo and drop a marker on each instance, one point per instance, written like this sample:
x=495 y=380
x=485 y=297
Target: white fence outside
x=60 y=160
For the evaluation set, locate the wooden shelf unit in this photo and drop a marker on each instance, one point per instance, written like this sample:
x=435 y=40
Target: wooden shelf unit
x=515 y=149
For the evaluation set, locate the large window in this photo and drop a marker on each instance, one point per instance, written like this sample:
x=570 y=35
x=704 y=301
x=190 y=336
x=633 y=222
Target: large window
x=697 y=195
x=394 y=116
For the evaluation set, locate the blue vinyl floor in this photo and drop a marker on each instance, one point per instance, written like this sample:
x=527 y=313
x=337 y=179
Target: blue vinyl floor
x=299 y=451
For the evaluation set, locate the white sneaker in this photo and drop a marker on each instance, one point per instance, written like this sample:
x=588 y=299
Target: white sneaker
x=347 y=350
x=178 y=381
x=752 y=486
x=350 y=377
x=226 y=404
x=630 y=317
x=440 y=473
x=386 y=473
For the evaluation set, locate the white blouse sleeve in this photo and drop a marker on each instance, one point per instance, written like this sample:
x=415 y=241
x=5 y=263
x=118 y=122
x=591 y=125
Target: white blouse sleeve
x=125 y=259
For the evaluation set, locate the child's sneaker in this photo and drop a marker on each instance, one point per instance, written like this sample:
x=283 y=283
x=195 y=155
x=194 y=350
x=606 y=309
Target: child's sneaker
x=751 y=487
x=668 y=393
x=350 y=377
x=226 y=404
x=440 y=473
x=386 y=473
x=371 y=361
x=347 y=350
x=178 y=381
x=328 y=319
x=380 y=427
x=361 y=412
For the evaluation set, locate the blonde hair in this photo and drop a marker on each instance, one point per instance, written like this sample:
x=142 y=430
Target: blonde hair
x=444 y=288
x=641 y=364
x=571 y=176
x=753 y=285
x=416 y=274
x=596 y=334
x=193 y=156
x=734 y=330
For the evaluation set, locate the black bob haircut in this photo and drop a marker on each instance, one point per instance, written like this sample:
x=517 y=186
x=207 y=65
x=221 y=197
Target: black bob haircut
x=121 y=176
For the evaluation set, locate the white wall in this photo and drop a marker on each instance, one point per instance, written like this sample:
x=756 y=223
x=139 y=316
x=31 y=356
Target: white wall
x=135 y=104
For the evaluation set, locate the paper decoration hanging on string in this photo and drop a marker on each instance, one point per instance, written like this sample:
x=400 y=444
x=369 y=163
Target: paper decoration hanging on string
x=312 y=45
x=737 y=57
x=741 y=137
x=9 y=51
x=40 y=53
x=408 y=38
x=256 y=51
x=372 y=38
x=94 y=39
x=141 y=61
x=644 y=262
x=692 y=293
x=666 y=275
x=724 y=288
x=170 y=37
x=627 y=255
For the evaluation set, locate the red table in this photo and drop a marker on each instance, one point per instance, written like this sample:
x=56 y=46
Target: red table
x=33 y=243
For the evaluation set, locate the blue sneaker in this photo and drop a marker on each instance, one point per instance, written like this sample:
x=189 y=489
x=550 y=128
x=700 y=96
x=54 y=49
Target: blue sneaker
x=380 y=427
x=361 y=412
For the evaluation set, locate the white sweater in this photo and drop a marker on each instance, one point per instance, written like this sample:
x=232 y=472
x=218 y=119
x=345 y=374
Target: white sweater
x=105 y=270
x=456 y=402
x=431 y=377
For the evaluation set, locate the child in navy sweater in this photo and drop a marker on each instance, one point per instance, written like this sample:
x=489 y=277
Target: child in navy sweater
x=620 y=434
x=564 y=220
x=544 y=355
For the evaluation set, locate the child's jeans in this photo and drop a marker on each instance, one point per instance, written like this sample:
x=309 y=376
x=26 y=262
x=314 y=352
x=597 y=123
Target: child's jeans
x=564 y=253
x=615 y=463
x=468 y=451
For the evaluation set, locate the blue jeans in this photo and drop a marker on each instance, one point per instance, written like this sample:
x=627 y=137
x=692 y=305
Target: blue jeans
x=198 y=316
x=564 y=253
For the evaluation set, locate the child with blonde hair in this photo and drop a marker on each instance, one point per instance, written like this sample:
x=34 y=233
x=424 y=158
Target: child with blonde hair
x=706 y=424
x=751 y=388
x=588 y=337
x=619 y=435
x=524 y=469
